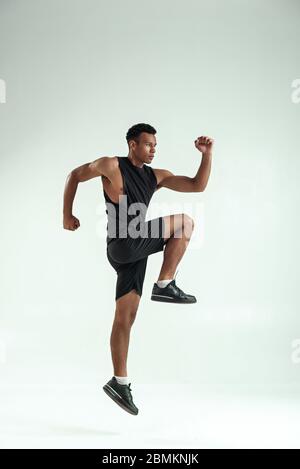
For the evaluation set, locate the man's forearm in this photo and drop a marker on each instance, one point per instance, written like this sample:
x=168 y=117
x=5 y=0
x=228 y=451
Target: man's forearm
x=203 y=172
x=69 y=194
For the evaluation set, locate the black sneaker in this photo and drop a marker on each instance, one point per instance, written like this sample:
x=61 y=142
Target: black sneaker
x=171 y=294
x=121 y=394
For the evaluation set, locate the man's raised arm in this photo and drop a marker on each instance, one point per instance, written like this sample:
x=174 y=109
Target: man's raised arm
x=99 y=167
x=166 y=178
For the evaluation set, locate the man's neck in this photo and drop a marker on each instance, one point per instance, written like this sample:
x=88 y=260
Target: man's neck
x=134 y=161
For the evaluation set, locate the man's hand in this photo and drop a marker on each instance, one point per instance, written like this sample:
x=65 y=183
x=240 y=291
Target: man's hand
x=71 y=223
x=204 y=144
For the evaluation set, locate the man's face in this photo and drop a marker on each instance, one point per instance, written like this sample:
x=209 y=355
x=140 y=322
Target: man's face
x=145 y=149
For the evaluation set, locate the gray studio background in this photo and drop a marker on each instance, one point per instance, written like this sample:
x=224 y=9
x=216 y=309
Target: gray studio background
x=78 y=74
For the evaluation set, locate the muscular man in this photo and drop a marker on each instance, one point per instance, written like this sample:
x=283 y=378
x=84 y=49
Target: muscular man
x=128 y=185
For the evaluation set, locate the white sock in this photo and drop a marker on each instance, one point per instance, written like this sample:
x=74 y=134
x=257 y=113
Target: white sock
x=122 y=379
x=163 y=283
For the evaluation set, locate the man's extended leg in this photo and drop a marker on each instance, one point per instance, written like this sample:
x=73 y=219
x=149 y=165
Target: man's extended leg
x=126 y=309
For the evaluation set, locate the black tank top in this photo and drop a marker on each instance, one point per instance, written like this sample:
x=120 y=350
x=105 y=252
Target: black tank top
x=139 y=184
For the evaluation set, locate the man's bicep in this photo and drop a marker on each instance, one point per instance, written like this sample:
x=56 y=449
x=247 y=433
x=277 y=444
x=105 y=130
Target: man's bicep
x=175 y=183
x=161 y=175
x=96 y=168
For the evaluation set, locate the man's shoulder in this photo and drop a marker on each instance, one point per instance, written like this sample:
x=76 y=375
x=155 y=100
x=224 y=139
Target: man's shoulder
x=111 y=160
x=160 y=175
x=111 y=163
x=162 y=172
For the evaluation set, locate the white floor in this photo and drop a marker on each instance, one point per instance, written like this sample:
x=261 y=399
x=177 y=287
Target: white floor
x=177 y=416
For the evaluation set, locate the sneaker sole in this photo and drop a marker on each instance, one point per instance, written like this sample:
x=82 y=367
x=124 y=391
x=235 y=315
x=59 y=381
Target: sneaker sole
x=165 y=299
x=117 y=399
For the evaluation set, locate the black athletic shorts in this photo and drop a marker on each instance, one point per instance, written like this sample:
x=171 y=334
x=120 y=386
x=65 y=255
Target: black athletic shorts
x=129 y=256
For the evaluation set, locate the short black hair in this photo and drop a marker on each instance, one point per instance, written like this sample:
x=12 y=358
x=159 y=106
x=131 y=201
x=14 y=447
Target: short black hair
x=134 y=132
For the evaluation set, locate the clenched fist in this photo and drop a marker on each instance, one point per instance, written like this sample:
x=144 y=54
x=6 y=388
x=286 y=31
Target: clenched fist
x=204 y=144
x=71 y=223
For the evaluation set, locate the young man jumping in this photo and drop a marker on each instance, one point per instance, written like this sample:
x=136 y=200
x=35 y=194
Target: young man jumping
x=128 y=185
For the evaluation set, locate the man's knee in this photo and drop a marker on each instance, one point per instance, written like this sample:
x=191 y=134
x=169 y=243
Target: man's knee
x=186 y=228
x=126 y=308
x=125 y=317
x=175 y=224
x=188 y=221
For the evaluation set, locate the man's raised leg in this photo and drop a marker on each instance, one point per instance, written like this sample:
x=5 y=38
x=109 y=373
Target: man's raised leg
x=178 y=230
